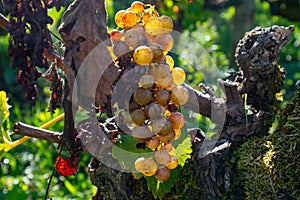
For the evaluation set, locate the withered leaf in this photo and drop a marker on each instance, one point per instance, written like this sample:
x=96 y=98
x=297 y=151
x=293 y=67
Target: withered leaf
x=89 y=67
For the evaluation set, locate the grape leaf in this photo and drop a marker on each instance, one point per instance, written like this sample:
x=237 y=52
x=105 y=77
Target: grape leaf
x=183 y=151
x=159 y=188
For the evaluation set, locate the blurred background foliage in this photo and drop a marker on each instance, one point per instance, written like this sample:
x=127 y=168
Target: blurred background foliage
x=210 y=30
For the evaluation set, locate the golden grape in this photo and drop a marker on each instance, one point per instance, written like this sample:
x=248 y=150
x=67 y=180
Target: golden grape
x=143 y=55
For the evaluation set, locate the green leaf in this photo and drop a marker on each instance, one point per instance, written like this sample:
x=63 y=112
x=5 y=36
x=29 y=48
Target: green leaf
x=183 y=151
x=158 y=188
x=126 y=153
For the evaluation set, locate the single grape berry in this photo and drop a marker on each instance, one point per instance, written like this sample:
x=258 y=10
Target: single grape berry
x=146 y=81
x=157 y=51
x=154 y=111
x=180 y=95
x=153 y=142
x=137 y=7
x=162 y=157
x=170 y=61
x=132 y=38
x=142 y=96
x=119 y=18
x=141 y=133
x=166 y=139
x=162 y=126
x=166 y=41
x=177 y=120
x=129 y=19
x=162 y=97
x=148 y=167
x=165 y=82
x=173 y=162
x=160 y=71
x=138 y=163
x=143 y=55
x=116 y=35
x=162 y=173
x=178 y=75
x=167 y=23
x=168 y=147
x=153 y=26
x=138 y=117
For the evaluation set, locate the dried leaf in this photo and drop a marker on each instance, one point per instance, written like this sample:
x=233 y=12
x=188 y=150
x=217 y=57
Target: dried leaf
x=87 y=58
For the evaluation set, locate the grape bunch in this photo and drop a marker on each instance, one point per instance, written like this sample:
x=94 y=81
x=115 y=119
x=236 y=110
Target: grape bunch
x=154 y=107
x=29 y=37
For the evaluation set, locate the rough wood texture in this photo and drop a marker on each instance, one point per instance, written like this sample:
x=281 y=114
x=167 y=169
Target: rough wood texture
x=27 y=130
x=257 y=55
